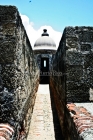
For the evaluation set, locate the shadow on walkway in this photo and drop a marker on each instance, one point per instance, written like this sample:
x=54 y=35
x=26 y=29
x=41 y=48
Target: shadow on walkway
x=57 y=128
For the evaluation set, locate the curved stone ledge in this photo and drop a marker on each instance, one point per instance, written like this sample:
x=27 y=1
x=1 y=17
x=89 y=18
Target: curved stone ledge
x=6 y=131
x=82 y=119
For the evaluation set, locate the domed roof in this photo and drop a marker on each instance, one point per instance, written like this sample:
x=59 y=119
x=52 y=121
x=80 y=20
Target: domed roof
x=45 y=40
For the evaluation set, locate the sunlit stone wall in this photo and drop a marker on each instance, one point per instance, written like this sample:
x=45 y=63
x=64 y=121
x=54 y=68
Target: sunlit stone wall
x=18 y=85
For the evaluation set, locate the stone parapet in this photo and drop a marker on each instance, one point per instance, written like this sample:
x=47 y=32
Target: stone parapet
x=74 y=60
x=73 y=65
x=19 y=74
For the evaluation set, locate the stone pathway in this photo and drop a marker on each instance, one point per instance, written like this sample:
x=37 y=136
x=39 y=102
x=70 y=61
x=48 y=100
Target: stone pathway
x=41 y=127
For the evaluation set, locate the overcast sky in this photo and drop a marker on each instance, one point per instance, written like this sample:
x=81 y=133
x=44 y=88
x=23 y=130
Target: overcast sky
x=54 y=15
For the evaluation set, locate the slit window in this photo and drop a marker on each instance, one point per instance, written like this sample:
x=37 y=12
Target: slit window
x=44 y=63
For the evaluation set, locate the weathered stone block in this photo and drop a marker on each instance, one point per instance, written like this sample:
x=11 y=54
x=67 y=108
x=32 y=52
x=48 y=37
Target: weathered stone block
x=85 y=47
x=86 y=36
x=70 y=31
x=8 y=28
x=7 y=51
x=7 y=10
x=73 y=58
x=72 y=85
x=74 y=73
x=88 y=60
x=72 y=42
x=77 y=95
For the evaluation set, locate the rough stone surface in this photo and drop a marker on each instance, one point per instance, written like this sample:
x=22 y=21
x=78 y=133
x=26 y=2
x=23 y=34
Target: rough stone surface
x=71 y=79
x=57 y=82
x=59 y=102
x=79 y=65
x=74 y=59
x=18 y=84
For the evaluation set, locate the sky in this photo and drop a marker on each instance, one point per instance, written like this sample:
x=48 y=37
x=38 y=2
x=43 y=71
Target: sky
x=54 y=15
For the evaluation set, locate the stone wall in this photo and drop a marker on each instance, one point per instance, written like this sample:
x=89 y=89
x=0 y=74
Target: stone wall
x=72 y=70
x=79 y=63
x=74 y=58
x=57 y=82
x=18 y=85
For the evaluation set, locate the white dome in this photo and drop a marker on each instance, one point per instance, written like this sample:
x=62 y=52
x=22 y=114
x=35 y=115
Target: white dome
x=45 y=41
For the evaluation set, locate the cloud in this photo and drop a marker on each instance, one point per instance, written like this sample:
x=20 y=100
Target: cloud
x=33 y=34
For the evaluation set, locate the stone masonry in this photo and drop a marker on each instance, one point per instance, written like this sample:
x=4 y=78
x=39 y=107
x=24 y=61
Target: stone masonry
x=74 y=59
x=79 y=63
x=17 y=83
x=72 y=78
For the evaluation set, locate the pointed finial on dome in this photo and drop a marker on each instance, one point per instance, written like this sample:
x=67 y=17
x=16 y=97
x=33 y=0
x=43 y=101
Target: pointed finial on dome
x=45 y=33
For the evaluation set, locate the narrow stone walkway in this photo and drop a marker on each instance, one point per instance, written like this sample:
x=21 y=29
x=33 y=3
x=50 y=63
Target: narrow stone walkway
x=41 y=127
